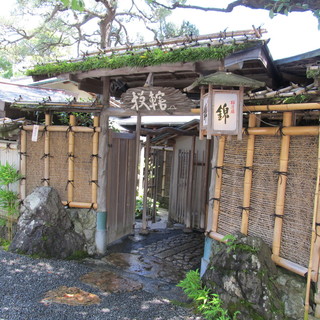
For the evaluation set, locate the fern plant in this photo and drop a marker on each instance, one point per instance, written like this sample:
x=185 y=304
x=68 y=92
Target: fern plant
x=207 y=303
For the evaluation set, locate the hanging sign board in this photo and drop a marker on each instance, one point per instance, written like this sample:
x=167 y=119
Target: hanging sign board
x=221 y=113
x=156 y=99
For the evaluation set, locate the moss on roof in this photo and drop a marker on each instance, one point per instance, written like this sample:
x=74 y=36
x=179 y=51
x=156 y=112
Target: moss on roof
x=139 y=59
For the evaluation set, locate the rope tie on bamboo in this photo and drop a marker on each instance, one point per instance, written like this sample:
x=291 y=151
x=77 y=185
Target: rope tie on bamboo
x=71 y=155
x=278 y=215
x=22 y=154
x=246 y=131
x=216 y=168
x=8 y=146
x=246 y=168
x=43 y=180
x=95 y=156
x=70 y=182
x=91 y=207
x=69 y=130
x=94 y=130
x=214 y=199
x=45 y=130
x=280 y=174
x=317 y=224
x=245 y=209
x=67 y=205
x=280 y=130
x=46 y=155
x=95 y=182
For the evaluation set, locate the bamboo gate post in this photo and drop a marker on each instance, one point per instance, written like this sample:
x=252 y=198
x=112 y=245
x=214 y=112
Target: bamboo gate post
x=218 y=184
x=314 y=236
x=282 y=182
x=23 y=163
x=95 y=150
x=248 y=177
x=70 y=185
x=46 y=177
x=145 y=188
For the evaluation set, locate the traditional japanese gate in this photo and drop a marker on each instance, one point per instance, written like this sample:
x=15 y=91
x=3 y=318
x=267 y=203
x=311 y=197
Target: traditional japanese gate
x=121 y=185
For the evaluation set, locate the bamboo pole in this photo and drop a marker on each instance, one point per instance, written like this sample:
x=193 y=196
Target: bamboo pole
x=282 y=181
x=283 y=107
x=23 y=164
x=248 y=177
x=54 y=128
x=81 y=205
x=95 y=150
x=277 y=107
x=47 y=151
x=314 y=236
x=70 y=185
x=218 y=184
x=291 y=131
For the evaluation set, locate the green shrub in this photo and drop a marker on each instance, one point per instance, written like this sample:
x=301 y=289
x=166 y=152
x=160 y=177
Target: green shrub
x=139 y=206
x=207 y=303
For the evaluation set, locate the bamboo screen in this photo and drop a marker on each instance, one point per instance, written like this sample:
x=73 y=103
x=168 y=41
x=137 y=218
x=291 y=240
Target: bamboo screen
x=299 y=198
x=232 y=186
x=301 y=184
x=58 y=164
x=264 y=187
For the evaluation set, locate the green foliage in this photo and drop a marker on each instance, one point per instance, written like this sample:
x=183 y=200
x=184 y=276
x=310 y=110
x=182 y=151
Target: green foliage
x=234 y=245
x=8 y=174
x=138 y=59
x=77 y=5
x=4 y=244
x=6 y=70
x=9 y=201
x=139 y=206
x=78 y=255
x=207 y=303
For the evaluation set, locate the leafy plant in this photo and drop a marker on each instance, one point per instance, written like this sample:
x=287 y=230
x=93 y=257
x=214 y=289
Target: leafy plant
x=207 y=303
x=233 y=245
x=8 y=198
x=4 y=244
x=139 y=206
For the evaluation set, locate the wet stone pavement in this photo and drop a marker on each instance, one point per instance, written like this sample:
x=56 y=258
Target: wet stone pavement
x=154 y=263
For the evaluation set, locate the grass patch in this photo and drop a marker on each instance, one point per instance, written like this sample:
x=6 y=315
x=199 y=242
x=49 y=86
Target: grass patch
x=4 y=244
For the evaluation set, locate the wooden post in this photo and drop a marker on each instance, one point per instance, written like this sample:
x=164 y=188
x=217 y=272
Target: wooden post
x=164 y=170
x=189 y=187
x=218 y=183
x=47 y=151
x=282 y=182
x=101 y=232
x=145 y=189
x=138 y=151
x=23 y=163
x=248 y=177
x=70 y=186
x=95 y=150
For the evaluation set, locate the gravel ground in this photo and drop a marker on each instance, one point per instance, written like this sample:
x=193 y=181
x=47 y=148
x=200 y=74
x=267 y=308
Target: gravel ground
x=24 y=282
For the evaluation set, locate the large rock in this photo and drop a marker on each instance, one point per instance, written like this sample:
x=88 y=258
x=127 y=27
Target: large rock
x=247 y=280
x=44 y=227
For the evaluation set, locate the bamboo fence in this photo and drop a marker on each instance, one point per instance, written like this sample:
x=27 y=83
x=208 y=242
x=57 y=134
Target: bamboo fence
x=52 y=139
x=269 y=167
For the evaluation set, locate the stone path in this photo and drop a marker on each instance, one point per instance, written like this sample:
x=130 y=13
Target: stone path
x=158 y=261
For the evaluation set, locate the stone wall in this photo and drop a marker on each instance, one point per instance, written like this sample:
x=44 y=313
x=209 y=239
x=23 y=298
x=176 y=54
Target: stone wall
x=84 y=222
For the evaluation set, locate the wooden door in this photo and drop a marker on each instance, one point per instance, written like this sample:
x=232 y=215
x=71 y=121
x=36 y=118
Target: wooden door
x=121 y=185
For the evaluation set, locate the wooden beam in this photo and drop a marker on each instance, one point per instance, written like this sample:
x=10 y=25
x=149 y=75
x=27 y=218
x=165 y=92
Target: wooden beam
x=166 y=67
